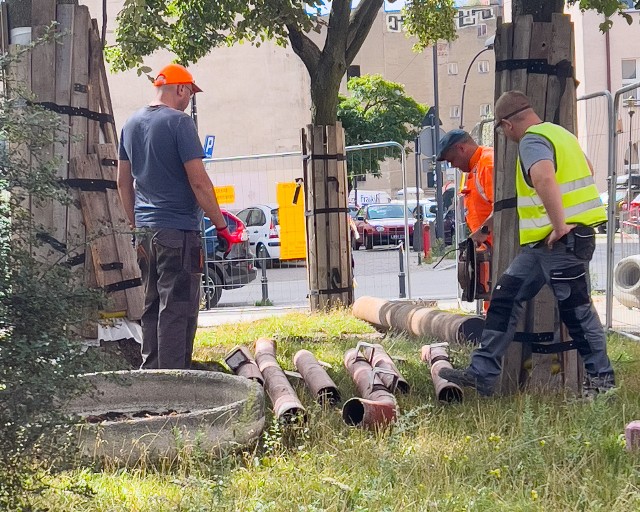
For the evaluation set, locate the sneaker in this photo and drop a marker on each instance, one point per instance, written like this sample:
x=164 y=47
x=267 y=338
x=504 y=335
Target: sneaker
x=597 y=385
x=465 y=379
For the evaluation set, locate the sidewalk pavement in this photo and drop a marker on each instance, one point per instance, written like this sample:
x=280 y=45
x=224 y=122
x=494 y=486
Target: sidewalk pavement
x=220 y=316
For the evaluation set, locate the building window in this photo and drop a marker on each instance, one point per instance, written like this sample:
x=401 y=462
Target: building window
x=483 y=66
x=630 y=75
x=485 y=110
x=353 y=71
x=482 y=30
x=452 y=68
x=454 y=111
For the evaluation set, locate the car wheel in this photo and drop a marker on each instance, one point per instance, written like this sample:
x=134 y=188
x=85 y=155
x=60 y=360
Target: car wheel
x=262 y=257
x=368 y=242
x=602 y=228
x=211 y=293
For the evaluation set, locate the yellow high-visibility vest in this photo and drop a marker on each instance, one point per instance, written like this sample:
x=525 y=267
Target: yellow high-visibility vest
x=580 y=198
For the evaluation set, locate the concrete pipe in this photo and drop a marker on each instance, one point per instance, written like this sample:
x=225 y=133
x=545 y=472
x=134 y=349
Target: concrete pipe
x=376 y=406
x=316 y=378
x=378 y=358
x=286 y=404
x=436 y=357
x=241 y=362
x=626 y=281
x=419 y=320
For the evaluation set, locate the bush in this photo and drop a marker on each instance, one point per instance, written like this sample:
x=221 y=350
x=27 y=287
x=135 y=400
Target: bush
x=40 y=301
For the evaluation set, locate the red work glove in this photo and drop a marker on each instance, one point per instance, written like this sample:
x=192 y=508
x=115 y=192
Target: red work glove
x=224 y=233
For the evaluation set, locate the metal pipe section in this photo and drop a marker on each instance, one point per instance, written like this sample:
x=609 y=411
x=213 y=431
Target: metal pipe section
x=286 y=404
x=419 y=320
x=436 y=357
x=376 y=406
x=241 y=363
x=316 y=378
x=378 y=357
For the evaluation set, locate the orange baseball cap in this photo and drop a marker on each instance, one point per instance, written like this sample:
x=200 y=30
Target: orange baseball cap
x=175 y=74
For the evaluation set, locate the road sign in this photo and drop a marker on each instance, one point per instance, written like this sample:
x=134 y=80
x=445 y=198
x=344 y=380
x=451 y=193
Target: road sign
x=426 y=141
x=209 y=140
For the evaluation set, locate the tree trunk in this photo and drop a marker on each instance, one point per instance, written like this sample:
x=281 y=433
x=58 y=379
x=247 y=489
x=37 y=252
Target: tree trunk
x=324 y=95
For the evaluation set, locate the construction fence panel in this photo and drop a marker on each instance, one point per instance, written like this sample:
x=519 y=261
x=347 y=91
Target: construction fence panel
x=249 y=188
x=625 y=305
x=386 y=263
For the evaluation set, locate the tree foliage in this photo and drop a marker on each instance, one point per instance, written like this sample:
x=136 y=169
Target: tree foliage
x=38 y=301
x=377 y=111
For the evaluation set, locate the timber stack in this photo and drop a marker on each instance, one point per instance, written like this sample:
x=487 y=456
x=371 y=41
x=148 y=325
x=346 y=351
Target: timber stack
x=537 y=58
x=328 y=234
x=68 y=76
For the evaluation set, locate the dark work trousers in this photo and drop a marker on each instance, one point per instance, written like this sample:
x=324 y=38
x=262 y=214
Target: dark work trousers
x=171 y=264
x=531 y=269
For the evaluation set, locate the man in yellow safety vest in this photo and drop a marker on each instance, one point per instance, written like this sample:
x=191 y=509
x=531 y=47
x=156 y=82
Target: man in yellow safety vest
x=558 y=207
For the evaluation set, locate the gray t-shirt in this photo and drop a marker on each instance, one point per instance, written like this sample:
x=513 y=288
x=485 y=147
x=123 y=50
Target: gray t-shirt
x=534 y=148
x=158 y=141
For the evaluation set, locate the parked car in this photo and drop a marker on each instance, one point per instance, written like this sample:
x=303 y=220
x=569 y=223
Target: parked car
x=449 y=224
x=621 y=195
x=634 y=212
x=228 y=267
x=263 y=225
x=381 y=224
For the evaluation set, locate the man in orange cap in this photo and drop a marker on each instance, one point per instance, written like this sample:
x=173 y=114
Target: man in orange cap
x=164 y=189
x=461 y=151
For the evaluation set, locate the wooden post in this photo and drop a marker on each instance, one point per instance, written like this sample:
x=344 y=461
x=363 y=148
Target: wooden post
x=328 y=248
x=553 y=98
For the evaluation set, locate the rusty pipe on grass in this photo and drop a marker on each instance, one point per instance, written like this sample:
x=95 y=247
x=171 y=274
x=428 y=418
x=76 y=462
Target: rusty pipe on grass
x=316 y=378
x=376 y=407
x=379 y=358
x=286 y=405
x=437 y=357
x=242 y=363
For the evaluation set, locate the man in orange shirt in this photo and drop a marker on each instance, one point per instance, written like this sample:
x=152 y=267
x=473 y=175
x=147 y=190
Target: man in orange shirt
x=460 y=150
x=476 y=162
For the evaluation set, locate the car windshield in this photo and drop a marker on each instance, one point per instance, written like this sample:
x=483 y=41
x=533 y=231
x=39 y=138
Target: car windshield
x=387 y=211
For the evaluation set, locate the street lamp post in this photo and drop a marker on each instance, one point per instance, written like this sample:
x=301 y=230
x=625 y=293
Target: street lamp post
x=488 y=45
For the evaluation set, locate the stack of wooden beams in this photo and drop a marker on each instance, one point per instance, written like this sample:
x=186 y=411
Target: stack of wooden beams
x=538 y=59
x=69 y=77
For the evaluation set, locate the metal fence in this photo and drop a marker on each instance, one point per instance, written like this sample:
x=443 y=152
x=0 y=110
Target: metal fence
x=388 y=269
x=610 y=140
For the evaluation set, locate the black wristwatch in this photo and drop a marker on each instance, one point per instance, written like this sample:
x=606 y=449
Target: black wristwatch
x=484 y=230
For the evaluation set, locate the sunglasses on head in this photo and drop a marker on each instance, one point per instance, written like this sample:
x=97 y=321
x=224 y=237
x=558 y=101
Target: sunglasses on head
x=521 y=109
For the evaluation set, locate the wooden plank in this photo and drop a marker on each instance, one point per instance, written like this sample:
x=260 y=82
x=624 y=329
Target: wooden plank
x=337 y=221
x=121 y=233
x=76 y=236
x=307 y=149
x=506 y=221
x=343 y=199
x=320 y=223
x=109 y=130
x=4 y=28
x=65 y=14
x=95 y=58
x=100 y=237
x=537 y=83
x=43 y=13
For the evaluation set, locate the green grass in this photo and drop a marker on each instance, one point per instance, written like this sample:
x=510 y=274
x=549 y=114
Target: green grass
x=528 y=452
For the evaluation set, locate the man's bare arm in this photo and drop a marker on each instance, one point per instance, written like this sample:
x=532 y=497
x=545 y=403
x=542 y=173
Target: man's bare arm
x=126 y=190
x=203 y=190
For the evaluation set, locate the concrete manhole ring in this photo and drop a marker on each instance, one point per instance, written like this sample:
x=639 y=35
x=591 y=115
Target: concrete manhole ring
x=182 y=411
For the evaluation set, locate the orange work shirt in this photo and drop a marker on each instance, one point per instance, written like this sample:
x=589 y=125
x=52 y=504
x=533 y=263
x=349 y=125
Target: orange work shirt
x=477 y=188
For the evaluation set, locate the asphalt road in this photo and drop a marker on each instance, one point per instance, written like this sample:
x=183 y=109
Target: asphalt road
x=377 y=273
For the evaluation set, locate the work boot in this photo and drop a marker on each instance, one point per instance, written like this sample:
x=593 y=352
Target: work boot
x=595 y=385
x=464 y=378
